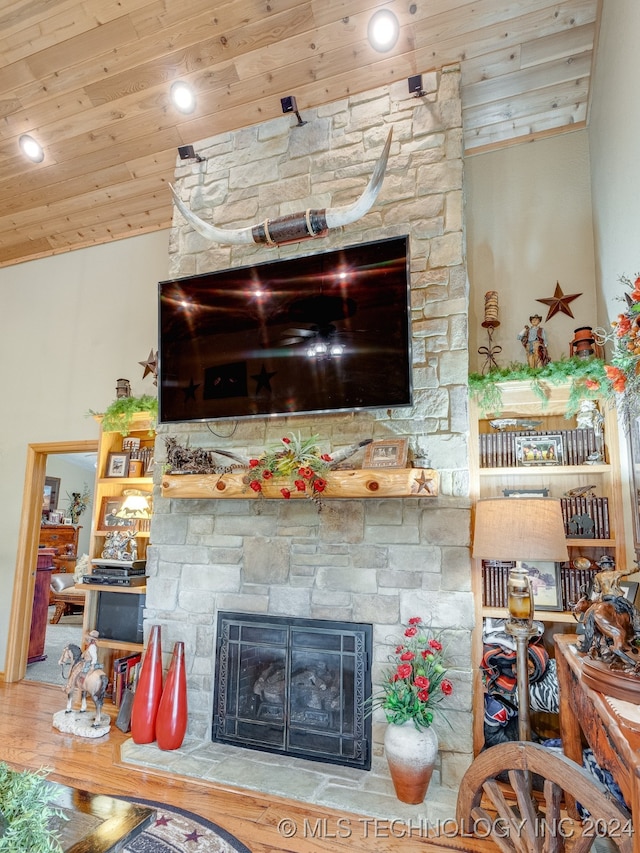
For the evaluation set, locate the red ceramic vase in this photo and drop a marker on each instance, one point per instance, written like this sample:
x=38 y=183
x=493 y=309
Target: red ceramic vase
x=146 y=699
x=171 y=722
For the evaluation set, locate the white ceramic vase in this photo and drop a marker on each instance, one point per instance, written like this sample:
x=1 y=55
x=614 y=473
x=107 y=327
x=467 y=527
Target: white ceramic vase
x=411 y=755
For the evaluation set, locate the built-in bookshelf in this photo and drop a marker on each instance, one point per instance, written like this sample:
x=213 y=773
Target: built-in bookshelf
x=529 y=449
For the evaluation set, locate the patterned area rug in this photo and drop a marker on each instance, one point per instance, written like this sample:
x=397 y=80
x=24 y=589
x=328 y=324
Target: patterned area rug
x=178 y=831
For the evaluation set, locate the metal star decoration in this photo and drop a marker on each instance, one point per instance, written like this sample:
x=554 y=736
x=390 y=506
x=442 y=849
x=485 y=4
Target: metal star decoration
x=424 y=483
x=151 y=366
x=558 y=302
x=263 y=379
x=189 y=390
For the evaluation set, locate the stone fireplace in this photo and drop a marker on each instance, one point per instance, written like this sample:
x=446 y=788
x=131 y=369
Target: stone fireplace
x=294 y=686
x=373 y=561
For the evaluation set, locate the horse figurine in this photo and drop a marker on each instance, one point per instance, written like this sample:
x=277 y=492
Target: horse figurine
x=92 y=682
x=611 y=627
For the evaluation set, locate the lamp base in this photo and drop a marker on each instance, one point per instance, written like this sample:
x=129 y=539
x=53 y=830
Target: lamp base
x=520 y=628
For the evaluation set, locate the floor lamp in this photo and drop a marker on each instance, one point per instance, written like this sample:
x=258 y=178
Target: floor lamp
x=523 y=530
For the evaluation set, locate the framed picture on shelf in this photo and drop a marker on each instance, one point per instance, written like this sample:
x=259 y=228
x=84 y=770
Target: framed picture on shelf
x=545 y=584
x=108 y=519
x=629 y=590
x=50 y=495
x=388 y=453
x=118 y=464
x=539 y=450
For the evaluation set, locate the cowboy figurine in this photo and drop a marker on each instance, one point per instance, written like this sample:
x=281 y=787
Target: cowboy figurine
x=534 y=340
x=90 y=654
x=88 y=660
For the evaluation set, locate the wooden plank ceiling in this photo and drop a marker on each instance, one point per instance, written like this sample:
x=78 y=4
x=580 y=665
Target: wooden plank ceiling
x=90 y=80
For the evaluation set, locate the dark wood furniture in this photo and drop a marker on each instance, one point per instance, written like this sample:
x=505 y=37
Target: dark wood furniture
x=584 y=711
x=62 y=537
x=40 y=607
x=97 y=823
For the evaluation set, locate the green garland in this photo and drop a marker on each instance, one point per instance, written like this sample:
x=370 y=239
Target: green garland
x=118 y=416
x=26 y=813
x=587 y=378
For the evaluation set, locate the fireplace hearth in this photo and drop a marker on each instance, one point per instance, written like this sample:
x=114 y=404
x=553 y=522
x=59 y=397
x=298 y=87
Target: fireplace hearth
x=294 y=686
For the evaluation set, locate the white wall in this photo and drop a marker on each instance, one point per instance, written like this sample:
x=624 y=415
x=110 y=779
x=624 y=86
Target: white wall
x=74 y=478
x=614 y=136
x=614 y=131
x=529 y=225
x=71 y=326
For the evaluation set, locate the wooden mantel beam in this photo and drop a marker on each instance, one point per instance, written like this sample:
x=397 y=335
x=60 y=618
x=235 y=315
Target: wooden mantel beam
x=356 y=483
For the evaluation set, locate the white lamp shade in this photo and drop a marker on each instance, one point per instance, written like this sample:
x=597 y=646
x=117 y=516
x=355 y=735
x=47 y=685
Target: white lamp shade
x=519 y=529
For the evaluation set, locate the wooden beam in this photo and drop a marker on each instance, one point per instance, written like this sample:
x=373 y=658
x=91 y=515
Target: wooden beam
x=357 y=483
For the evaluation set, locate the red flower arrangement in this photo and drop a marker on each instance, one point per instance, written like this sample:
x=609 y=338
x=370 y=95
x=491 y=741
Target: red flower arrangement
x=417 y=682
x=625 y=363
x=298 y=458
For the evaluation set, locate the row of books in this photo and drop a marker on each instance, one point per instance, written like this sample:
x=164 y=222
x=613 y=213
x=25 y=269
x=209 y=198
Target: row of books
x=495 y=574
x=125 y=676
x=505 y=449
x=586 y=518
x=145 y=454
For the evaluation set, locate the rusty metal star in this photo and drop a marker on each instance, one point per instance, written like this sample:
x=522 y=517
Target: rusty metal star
x=559 y=302
x=150 y=365
x=424 y=483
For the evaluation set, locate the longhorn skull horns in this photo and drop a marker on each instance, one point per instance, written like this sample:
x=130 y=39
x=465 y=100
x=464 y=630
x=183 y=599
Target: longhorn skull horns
x=296 y=226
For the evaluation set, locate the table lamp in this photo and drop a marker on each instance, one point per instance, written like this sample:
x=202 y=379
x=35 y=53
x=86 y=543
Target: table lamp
x=520 y=529
x=136 y=506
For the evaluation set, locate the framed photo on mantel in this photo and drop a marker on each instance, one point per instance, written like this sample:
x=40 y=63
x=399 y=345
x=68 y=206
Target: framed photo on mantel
x=388 y=453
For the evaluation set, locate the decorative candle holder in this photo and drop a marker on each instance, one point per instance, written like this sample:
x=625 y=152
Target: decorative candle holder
x=490 y=323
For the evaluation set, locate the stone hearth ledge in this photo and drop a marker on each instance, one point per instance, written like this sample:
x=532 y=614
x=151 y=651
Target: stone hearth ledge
x=368 y=793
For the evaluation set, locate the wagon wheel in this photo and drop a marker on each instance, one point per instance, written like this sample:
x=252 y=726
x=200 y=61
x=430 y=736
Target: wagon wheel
x=530 y=826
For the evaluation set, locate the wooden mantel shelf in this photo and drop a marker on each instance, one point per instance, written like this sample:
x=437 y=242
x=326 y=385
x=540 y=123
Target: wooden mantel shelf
x=356 y=483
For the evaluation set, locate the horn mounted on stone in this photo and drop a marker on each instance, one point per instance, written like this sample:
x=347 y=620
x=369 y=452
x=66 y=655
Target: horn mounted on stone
x=296 y=226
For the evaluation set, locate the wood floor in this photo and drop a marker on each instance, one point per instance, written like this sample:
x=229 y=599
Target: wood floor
x=27 y=740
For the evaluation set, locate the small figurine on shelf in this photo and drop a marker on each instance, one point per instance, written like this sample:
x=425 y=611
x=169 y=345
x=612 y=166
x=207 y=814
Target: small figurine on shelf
x=534 y=340
x=120 y=545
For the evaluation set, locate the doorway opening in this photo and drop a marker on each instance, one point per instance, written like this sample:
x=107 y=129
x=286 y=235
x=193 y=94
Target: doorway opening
x=28 y=542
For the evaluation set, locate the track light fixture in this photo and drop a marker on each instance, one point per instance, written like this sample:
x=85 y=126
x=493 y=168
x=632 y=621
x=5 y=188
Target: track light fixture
x=415 y=86
x=383 y=30
x=183 y=97
x=289 y=105
x=187 y=152
x=30 y=148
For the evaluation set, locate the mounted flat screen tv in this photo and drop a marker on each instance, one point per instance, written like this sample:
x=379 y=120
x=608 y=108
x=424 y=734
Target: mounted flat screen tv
x=322 y=333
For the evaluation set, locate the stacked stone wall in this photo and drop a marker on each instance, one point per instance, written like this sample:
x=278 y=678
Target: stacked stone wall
x=377 y=561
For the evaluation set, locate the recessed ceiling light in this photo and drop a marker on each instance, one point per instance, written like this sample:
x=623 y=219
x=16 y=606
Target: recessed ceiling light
x=31 y=149
x=383 y=30
x=183 y=97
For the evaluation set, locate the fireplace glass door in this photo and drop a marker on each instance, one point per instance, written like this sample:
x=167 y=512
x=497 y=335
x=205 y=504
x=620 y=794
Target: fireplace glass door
x=294 y=686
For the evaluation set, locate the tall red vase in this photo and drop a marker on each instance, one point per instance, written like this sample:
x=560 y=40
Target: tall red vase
x=146 y=699
x=171 y=722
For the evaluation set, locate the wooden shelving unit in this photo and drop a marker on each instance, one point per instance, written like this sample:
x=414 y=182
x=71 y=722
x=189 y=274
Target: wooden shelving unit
x=519 y=401
x=356 y=483
x=114 y=487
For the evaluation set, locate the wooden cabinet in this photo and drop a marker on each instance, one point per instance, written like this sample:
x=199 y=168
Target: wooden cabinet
x=495 y=467
x=109 y=492
x=64 y=539
x=40 y=607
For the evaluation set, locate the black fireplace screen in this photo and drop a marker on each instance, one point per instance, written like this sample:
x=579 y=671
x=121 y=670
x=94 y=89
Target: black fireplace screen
x=294 y=686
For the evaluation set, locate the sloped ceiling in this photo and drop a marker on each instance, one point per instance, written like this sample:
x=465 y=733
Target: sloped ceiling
x=90 y=80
